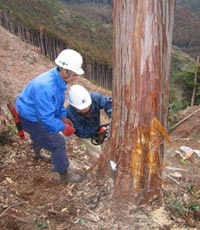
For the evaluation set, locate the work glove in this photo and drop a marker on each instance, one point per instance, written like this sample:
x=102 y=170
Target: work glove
x=68 y=130
x=67 y=121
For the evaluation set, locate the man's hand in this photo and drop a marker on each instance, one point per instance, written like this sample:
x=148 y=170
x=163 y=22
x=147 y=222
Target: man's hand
x=67 y=121
x=68 y=130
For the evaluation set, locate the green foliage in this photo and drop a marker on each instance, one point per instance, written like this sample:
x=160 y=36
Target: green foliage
x=177 y=104
x=177 y=206
x=41 y=223
x=190 y=188
x=185 y=204
x=182 y=80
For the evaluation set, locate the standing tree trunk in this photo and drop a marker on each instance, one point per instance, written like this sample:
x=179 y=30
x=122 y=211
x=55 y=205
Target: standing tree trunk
x=195 y=82
x=142 y=57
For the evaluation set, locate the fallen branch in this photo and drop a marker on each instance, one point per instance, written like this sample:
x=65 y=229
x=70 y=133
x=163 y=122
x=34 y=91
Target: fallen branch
x=184 y=119
x=171 y=178
x=20 y=218
x=13 y=205
x=174 y=169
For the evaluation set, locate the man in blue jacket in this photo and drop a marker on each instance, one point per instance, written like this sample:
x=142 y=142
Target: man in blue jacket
x=84 y=111
x=41 y=109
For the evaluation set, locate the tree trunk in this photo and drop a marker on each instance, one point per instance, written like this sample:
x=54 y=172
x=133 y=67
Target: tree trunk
x=195 y=82
x=142 y=57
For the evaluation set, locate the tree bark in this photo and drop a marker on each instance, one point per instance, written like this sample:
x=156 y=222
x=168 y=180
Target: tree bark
x=142 y=57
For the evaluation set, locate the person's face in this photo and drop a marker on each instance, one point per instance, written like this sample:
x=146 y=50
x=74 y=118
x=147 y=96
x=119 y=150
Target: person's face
x=68 y=76
x=84 y=111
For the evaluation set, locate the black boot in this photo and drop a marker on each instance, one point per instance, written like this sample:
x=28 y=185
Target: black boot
x=70 y=176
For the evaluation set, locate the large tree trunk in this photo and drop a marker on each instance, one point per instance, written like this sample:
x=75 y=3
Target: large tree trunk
x=142 y=57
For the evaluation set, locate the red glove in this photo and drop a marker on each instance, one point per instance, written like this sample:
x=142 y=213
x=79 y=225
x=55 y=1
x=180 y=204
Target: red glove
x=68 y=130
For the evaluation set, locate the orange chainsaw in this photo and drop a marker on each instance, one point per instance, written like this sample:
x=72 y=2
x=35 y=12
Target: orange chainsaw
x=101 y=134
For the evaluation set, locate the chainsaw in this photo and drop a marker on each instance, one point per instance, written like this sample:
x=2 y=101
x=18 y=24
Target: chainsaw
x=17 y=120
x=101 y=134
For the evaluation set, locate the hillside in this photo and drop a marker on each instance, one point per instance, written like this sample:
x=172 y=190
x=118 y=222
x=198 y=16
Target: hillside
x=182 y=80
x=186 y=23
x=193 y=5
x=32 y=199
x=22 y=63
x=63 y=22
x=87 y=27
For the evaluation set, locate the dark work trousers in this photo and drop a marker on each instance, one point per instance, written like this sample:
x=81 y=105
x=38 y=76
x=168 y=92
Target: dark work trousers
x=54 y=143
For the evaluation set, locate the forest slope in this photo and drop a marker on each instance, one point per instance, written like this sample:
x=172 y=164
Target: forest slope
x=32 y=199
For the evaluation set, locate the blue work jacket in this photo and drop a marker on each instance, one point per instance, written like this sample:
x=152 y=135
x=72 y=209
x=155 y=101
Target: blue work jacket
x=86 y=127
x=42 y=100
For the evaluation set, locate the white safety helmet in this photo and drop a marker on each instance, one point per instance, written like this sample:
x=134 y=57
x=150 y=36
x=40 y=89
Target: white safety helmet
x=71 y=60
x=79 y=97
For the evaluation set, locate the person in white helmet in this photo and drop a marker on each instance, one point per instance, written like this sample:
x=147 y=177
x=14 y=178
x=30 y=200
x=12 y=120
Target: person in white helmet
x=84 y=112
x=41 y=109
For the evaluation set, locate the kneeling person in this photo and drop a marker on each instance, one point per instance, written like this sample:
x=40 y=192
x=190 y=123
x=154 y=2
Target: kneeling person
x=84 y=111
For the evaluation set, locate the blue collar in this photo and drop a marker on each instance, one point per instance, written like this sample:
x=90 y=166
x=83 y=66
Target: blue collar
x=59 y=79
